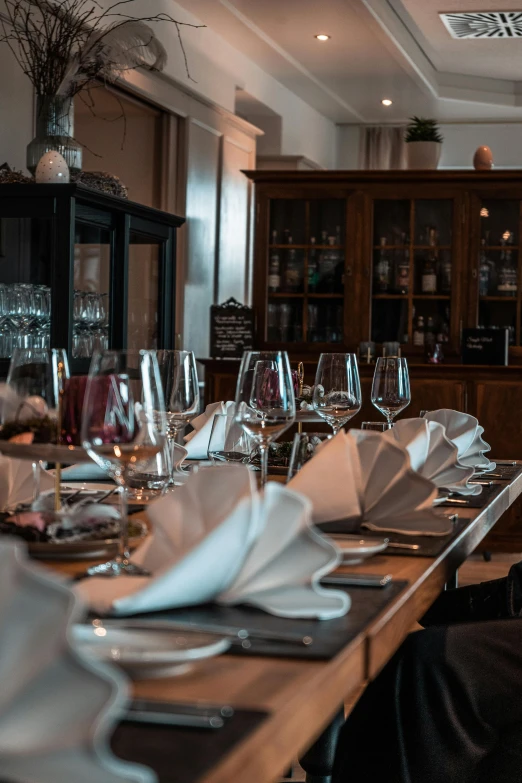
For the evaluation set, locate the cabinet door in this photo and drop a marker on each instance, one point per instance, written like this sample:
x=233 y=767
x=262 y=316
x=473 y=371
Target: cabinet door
x=497 y=405
x=415 y=264
x=495 y=268
x=430 y=394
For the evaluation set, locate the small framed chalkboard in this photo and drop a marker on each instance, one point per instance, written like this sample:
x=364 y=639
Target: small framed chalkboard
x=231 y=330
x=485 y=346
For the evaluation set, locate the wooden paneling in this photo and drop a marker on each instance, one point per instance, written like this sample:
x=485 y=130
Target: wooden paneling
x=432 y=393
x=499 y=411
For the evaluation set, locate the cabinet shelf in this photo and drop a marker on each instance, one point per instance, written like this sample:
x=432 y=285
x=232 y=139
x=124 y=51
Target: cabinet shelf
x=390 y=296
x=443 y=297
x=325 y=296
x=499 y=247
x=306 y=247
x=414 y=247
x=283 y=295
x=498 y=298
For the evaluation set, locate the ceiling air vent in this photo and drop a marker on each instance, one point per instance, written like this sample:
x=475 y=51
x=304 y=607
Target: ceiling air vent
x=490 y=24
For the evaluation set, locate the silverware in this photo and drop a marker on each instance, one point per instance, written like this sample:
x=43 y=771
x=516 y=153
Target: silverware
x=457 y=502
x=243 y=635
x=482 y=483
x=357 y=580
x=397 y=545
x=186 y=715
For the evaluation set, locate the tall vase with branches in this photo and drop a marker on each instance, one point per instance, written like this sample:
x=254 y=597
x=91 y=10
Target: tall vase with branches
x=67 y=47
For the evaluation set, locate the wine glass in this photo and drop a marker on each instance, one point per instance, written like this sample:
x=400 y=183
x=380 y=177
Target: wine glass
x=376 y=426
x=391 y=386
x=228 y=441
x=304 y=447
x=123 y=428
x=179 y=379
x=265 y=401
x=337 y=390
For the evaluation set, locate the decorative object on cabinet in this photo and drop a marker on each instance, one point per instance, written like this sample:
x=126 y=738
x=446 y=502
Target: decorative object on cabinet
x=66 y=48
x=424 y=141
x=107 y=267
x=9 y=176
x=485 y=346
x=52 y=168
x=483 y=159
x=102 y=181
x=231 y=329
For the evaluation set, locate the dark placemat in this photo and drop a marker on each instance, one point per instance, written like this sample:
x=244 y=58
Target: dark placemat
x=505 y=472
x=181 y=755
x=475 y=501
x=429 y=546
x=329 y=636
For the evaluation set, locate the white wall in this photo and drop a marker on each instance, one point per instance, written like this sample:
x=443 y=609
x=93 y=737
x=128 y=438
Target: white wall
x=16 y=111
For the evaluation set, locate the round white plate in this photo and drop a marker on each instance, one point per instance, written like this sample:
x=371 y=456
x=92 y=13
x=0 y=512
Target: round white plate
x=147 y=653
x=356 y=549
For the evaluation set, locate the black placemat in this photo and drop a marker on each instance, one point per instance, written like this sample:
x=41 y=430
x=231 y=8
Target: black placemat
x=329 y=636
x=505 y=472
x=181 y=755
x=474 y=501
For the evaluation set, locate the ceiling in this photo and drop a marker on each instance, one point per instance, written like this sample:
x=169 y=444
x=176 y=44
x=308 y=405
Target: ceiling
x=397 y=49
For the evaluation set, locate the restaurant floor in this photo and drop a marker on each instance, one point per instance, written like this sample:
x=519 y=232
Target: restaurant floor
x=474 y=570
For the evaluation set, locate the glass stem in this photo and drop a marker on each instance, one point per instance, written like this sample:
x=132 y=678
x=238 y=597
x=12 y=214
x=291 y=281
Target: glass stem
x=124 y=554
x=36 y=481
x=335 y=428
x=263 y=448
x=173 y=441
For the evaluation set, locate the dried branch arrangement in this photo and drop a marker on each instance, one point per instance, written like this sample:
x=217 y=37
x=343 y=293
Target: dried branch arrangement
x=65 y=46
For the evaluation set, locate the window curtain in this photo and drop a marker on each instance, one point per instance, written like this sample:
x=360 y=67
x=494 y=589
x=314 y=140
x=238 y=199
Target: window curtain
x=383 y=147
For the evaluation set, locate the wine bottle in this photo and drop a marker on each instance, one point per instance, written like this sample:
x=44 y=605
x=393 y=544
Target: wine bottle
x=418 y=333
x=274 y=267
x=383 y=270
x=507 y=283
x=402 y=272
x=484 y=270
x=313 y=268
x=293 y=272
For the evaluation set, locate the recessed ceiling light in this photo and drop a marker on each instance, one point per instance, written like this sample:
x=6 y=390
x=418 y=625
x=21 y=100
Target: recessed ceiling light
x=386 y=102
x=322 y=37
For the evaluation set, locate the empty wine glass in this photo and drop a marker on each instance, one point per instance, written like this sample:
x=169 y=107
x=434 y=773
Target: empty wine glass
x=391 y=386
x=179 y=379
x=123 y=429
x=228 y=441
x=376 y=426
x=337 y=390
x=265 y=401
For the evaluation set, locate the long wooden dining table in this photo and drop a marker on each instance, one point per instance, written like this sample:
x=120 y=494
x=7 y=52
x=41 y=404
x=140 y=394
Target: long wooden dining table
x=302 y=696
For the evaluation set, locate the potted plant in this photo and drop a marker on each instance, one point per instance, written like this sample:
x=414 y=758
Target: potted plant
x=424 y=140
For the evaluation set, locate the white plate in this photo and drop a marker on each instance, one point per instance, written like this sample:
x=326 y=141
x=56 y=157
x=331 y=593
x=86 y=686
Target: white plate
x=356 y=549
x=147 y=653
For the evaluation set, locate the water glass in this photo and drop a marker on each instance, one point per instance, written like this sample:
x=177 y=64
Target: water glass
x=391 y=387
x=228 y=441
x=304 y=448
x=337 y=390
x=376 y=426
x=265 y=400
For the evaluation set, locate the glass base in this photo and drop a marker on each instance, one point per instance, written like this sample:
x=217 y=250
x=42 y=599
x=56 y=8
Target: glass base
x=117 y=568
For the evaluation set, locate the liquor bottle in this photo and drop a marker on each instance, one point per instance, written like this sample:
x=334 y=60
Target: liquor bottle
x=328 y=265
x=445 y=274
x=418 y=333
x=429 y=270
x=274 y=267
x=383 y=270
x=507 y=273
x=429 y=334
x=402 y=272
x=293 y=272
x=484 y=270
x=313 y=268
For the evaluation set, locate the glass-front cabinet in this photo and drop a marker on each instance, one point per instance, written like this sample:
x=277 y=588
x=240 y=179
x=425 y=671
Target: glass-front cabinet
x=83 y=270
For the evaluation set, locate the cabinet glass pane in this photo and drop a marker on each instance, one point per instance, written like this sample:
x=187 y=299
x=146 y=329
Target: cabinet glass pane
x=431 y=322
x=492 y=314
x=327 y=221
x=288 y=222
x=391 y=222
x=25 y=296
x=92 y=264
x=390 y=321
x=499 y=222
x=498 y=272
x=285 y=320
x=433 y=222
x=143 y=292
x=325 y=321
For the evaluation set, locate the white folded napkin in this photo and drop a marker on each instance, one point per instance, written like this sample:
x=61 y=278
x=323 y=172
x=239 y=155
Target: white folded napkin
x=364 y=479
x=433 y=455
x=218 y=539
x=57 y=708
x=196 y=442
x=466 y=433
x=16 y=482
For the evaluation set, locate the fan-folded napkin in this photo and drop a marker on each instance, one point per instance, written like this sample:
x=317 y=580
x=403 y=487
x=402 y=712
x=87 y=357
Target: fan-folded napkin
x=16 y=482
x=466 y=433
x=196 y=442
x=217 y=539
x=433 y=455
x=364 y=479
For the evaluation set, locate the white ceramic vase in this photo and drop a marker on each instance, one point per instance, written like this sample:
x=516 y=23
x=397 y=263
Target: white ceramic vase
x=423 y=154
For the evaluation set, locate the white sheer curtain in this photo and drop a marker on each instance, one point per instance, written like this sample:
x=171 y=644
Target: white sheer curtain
x=383 y=147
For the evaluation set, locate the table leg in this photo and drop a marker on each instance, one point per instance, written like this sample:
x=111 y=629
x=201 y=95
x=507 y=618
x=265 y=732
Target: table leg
x=318 y=760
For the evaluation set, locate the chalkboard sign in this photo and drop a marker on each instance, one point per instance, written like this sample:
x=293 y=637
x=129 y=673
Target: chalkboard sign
x=485 y=346
x=231 y=330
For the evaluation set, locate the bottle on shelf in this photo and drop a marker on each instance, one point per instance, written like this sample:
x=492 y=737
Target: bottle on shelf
x=429 y=275
x=313 y=268
x=445 y=274
x=328 y=267
x=507 y=283
x=484 y=270
x=274 y=267
x=383 y=270
x=429 y=334
x=293 y=277
x=418 y=333
x=402 y=271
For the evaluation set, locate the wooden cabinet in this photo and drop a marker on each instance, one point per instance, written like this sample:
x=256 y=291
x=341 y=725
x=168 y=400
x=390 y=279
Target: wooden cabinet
x=409 y=257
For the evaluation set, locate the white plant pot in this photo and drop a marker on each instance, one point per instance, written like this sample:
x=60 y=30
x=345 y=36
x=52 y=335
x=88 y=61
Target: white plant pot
x=423 y=154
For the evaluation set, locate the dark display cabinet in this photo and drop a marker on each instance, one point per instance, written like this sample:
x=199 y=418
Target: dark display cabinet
x=82 y=270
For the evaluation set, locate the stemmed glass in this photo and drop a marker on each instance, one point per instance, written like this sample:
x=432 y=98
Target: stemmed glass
x=180 y=385
x=33 y=376
x=337 y=390
x=391 y=386
x=123 y=429
x=265 y=401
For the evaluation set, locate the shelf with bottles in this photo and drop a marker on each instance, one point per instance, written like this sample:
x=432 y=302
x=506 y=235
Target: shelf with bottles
x=498 y=270
x=285 y=321
x=316 y=270
x=430 y=324
x=324 y=322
